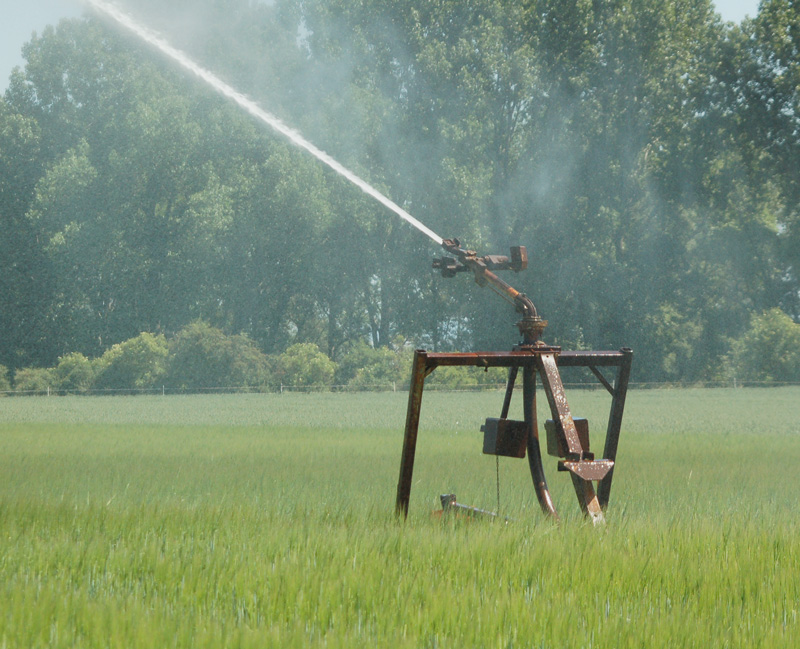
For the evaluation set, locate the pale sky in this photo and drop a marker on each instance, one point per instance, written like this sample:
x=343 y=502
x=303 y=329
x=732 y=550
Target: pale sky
x=19 y=18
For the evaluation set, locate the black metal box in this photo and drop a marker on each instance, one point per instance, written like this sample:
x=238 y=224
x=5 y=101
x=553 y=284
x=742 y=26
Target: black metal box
x=504 y=437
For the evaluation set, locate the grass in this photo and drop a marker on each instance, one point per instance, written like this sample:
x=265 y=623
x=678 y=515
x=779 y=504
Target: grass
x=266 y=521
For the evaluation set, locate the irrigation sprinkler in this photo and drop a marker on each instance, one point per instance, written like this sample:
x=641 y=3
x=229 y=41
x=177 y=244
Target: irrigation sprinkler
x=567 y=436
x=568 y=439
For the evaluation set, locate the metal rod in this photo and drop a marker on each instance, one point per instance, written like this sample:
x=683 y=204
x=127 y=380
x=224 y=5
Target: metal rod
x=602 y=379
x=450 y=504
x=512 y=377
x=525 y=357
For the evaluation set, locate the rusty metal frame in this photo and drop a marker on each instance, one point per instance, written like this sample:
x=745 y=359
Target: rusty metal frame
x=543 y=361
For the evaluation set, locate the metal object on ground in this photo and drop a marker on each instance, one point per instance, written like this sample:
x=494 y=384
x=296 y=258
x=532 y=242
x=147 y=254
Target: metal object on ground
x=451 y=506
x=570 y=437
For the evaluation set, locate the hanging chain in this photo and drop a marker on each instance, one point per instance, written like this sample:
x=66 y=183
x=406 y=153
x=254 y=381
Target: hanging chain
x=497 y=466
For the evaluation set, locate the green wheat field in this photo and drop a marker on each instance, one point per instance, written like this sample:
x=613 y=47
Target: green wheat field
x=268 y=521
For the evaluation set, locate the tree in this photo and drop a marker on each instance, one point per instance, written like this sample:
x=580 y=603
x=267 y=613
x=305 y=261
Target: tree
x=33 y=380
x=203 y=357
x=25 y=274
x=303 y=365
x=135 y=364
x=769 y=90
x=370 y=368
x=642 y=150
x=74 y=373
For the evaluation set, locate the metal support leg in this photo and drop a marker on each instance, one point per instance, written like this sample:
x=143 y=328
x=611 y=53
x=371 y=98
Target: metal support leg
x=615 y=423
x=562 y=417
x=418 y=373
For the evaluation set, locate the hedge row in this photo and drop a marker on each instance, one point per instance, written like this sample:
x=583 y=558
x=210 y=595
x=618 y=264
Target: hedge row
x=201 y=357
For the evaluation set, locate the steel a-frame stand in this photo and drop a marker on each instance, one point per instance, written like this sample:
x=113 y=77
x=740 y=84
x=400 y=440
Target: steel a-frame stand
x=566 y=438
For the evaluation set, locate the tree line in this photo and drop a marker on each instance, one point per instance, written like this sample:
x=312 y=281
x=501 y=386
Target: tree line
x=644 y=151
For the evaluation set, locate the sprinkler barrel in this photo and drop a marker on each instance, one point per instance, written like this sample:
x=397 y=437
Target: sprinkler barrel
x=531 y=325
x=469 y=260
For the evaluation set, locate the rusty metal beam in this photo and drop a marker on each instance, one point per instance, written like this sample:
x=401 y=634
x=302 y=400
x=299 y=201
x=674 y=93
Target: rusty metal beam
x=562 y=417
x=525 y=356
x=419 y=370
x=600 y=377
x=512 y=378
x=589 y=358
x=482 y=359
x=565 y=426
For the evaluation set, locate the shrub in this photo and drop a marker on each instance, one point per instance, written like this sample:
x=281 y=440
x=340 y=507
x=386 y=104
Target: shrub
x=357 y=355
x=366 y=367
x=769 y=350
x=304 y=365
x=33 y=379
x=202 y=357
x=74 y=372
x=137 y=363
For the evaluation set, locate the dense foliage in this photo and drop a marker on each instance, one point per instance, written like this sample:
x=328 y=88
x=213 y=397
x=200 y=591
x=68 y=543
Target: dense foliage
x=644 y=152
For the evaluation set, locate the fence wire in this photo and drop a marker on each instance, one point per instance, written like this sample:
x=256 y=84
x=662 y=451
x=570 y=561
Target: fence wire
x=380 y=387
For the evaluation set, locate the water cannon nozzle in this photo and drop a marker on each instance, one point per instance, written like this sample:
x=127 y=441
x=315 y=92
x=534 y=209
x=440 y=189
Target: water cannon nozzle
x=519 y=258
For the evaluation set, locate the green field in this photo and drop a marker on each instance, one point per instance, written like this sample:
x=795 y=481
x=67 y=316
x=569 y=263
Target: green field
x=267 y=521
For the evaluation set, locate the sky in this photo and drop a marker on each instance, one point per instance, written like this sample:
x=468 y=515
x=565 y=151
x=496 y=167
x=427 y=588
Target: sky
x=19 y=18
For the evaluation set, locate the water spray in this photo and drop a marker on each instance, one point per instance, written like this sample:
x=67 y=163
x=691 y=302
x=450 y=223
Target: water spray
x=212 y=80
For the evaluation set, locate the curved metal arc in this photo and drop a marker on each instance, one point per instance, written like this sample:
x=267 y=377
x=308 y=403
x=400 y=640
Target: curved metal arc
x=534 y=451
